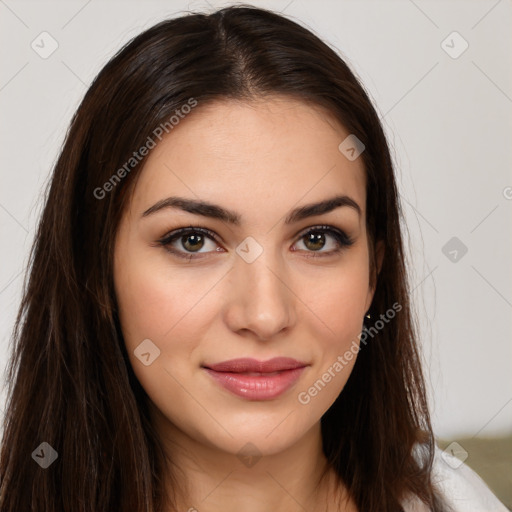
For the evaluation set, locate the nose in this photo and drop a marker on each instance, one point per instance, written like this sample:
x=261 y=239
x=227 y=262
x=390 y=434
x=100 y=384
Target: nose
x=261 y=298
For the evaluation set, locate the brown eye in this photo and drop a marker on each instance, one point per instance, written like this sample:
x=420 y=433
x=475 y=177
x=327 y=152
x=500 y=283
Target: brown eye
x=188 y=242
x=317 y=238
x=192 y=242
x=314 y=240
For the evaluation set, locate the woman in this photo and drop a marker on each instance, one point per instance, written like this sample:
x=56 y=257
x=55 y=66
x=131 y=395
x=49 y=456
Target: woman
x=221 y=220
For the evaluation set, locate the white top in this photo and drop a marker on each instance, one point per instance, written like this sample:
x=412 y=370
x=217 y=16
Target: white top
x=461 y=488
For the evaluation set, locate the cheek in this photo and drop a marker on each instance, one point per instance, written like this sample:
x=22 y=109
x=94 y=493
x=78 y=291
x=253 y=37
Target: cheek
x=155 y=301
x=337 y=301
x=337 y=306
x=152 y=306
x=169 y=307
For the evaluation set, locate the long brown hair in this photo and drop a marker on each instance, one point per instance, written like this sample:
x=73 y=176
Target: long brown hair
x=71 y=384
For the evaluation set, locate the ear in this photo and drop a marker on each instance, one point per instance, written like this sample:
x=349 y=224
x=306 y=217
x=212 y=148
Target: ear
x=380 y=249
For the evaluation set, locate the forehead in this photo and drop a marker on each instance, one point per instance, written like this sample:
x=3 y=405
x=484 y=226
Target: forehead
x=250 y=153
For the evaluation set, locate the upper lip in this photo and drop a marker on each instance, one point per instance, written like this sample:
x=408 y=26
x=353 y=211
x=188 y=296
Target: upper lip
x=246 y=364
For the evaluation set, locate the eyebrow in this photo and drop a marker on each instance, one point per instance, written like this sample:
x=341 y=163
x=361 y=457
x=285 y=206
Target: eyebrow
x=218 y=212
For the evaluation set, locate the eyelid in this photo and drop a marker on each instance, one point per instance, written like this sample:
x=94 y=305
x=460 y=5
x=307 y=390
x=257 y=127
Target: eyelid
x=188 y=229
x=175 y=234
x=321 y=227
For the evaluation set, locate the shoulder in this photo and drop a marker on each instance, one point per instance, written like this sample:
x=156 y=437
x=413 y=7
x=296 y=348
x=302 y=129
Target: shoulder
x=461 y=488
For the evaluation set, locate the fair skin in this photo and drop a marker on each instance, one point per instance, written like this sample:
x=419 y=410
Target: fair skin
x=261 y=160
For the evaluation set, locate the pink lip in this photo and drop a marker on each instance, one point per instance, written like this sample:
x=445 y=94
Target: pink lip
x=246 y=364
x=257 y=380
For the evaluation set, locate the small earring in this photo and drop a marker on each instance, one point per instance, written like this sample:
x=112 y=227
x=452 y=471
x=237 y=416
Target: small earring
x=366 y=317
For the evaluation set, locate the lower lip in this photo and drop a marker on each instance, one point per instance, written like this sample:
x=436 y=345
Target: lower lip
x=257 y=387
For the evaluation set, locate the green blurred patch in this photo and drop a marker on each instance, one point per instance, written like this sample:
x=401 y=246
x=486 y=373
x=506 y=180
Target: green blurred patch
x=491 y=459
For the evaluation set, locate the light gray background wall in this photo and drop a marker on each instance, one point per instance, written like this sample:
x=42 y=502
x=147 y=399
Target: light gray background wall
x=447 y=114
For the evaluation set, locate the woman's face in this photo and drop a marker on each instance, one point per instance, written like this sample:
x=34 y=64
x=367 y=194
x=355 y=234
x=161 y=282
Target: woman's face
x=273 y=284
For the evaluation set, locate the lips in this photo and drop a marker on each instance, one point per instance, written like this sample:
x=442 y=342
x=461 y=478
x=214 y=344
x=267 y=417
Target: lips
x=256 y=380
x=248 y=365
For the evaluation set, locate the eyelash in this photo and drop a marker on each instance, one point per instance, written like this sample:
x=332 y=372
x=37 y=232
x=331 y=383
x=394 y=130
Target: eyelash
x=342 y=239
